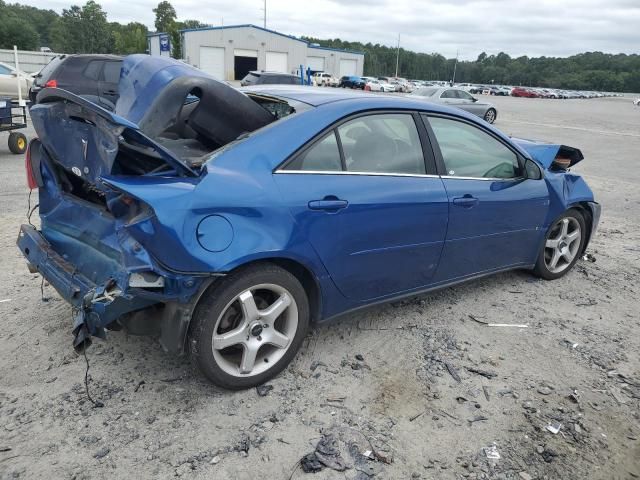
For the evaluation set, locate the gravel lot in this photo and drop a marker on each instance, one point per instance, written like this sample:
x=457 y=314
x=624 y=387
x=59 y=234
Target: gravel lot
x=577 y=364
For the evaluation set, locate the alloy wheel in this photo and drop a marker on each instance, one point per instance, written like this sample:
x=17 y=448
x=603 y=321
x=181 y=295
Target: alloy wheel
x=490 y=116
x=255 y=330
x=562 y=244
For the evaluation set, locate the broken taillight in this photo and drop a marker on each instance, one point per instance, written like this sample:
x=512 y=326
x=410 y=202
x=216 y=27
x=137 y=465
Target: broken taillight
x=51 y=84
x=31 y=179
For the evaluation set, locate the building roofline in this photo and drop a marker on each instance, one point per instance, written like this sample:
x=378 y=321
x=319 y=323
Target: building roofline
x=156 y=34
x=246 y=25
x=345 y=50
x=249 y=25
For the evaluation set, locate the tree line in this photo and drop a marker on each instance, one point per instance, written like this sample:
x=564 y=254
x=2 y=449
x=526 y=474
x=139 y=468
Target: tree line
x=86 y=29
x=585 y=71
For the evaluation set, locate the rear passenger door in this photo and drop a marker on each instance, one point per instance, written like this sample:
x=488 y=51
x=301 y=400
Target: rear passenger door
x=108 y=85
x=369 y=204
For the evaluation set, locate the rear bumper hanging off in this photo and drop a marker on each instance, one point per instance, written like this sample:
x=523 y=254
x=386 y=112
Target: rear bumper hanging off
x=96 y=306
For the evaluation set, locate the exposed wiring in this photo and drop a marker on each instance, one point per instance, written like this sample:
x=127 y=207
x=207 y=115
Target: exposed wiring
x=42 y=297
x=31 y=210
x=96 y=403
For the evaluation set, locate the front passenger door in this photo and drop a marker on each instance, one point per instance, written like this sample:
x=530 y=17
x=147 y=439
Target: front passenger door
x=496 y=213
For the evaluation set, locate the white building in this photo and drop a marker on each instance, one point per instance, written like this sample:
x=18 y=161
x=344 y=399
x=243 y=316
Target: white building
x=230 y=52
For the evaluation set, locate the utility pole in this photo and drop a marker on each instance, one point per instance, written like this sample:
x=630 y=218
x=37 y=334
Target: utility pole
x=398 y=56
x=454 y=69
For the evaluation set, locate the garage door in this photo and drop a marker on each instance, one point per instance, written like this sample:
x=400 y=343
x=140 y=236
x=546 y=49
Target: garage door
x=316 y=63
x=277 y=62
x=212 y=61
x=348 y=67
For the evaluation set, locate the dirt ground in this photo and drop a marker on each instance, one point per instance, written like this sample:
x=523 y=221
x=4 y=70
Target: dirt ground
x=577 y=365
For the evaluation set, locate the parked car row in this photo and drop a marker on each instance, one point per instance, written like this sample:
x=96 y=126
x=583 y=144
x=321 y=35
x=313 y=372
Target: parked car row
x=530 y=92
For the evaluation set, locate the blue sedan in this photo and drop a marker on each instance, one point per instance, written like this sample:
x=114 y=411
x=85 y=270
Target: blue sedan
x=227 y=222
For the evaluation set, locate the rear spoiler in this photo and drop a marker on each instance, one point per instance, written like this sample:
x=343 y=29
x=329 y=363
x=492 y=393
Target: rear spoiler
x=551 y=155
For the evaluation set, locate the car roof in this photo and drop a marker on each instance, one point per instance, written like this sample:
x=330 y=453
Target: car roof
x=318 y=96
x=260 y=72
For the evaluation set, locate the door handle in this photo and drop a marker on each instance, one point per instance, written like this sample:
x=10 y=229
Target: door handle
x=110 y=92
x=468 y=201
x=328 y=204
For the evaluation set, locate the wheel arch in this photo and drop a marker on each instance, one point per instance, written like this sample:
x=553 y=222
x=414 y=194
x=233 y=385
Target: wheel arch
x=585 y=210
x=175 y=330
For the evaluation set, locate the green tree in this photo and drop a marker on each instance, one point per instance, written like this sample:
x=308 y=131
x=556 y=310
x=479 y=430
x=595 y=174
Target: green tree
x=165 y=17
x=82 y=30
x=129 y=38
x=15 y=30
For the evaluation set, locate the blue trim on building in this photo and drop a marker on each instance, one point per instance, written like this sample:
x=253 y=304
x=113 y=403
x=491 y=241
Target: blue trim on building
x=291 y=37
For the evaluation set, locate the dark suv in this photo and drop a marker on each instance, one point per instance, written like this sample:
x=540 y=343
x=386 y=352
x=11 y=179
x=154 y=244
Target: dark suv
x=94 y=77
x=270 y=78
x=351 y=81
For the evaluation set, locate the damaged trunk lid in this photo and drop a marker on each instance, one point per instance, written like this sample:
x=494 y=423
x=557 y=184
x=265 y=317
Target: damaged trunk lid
x=168 y=118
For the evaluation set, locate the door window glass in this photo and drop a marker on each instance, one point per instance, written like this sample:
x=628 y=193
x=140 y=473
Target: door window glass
x=467 y=151
x=449 y=94
x=92 y=70
x=386 y=143
x=463 y=95
x=112 y=72
x=4 y=70
x=322 y=156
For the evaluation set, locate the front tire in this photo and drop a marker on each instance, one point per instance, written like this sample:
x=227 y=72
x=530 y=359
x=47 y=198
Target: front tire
x=490 y=115
x=248 y=328
x=562 y=246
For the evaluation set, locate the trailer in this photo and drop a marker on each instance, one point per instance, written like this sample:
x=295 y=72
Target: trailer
x=13 y=116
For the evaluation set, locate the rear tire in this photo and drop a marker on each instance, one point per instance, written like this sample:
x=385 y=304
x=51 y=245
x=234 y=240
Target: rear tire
x=490 y=115
x=562 y=246
x=234 y=348
x=17 y=142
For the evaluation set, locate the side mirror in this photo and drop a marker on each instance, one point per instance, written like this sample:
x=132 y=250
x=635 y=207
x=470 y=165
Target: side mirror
x=14 y=74
x=474 y=99
x=532 y=170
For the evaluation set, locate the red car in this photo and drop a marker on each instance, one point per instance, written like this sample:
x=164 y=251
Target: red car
x=523 y=92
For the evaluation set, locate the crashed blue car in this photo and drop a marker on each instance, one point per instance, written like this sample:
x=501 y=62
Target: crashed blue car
x=227 y=222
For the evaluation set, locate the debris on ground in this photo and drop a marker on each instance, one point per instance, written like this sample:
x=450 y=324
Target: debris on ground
x=485 y=390
x=101 y=453
x=554 y=427
x=452 y=371
x=483 y=373
x=310 y=463
x=492 y=452
x=263 y=390
x=327 y=454
x=589 y=258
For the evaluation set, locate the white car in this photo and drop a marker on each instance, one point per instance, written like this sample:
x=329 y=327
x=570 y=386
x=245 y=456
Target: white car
x=376 y=85
x=9 y=82
x=324 y=79
x=636 y=102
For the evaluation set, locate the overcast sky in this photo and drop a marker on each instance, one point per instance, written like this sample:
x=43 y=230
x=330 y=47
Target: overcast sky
x=518 y=27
